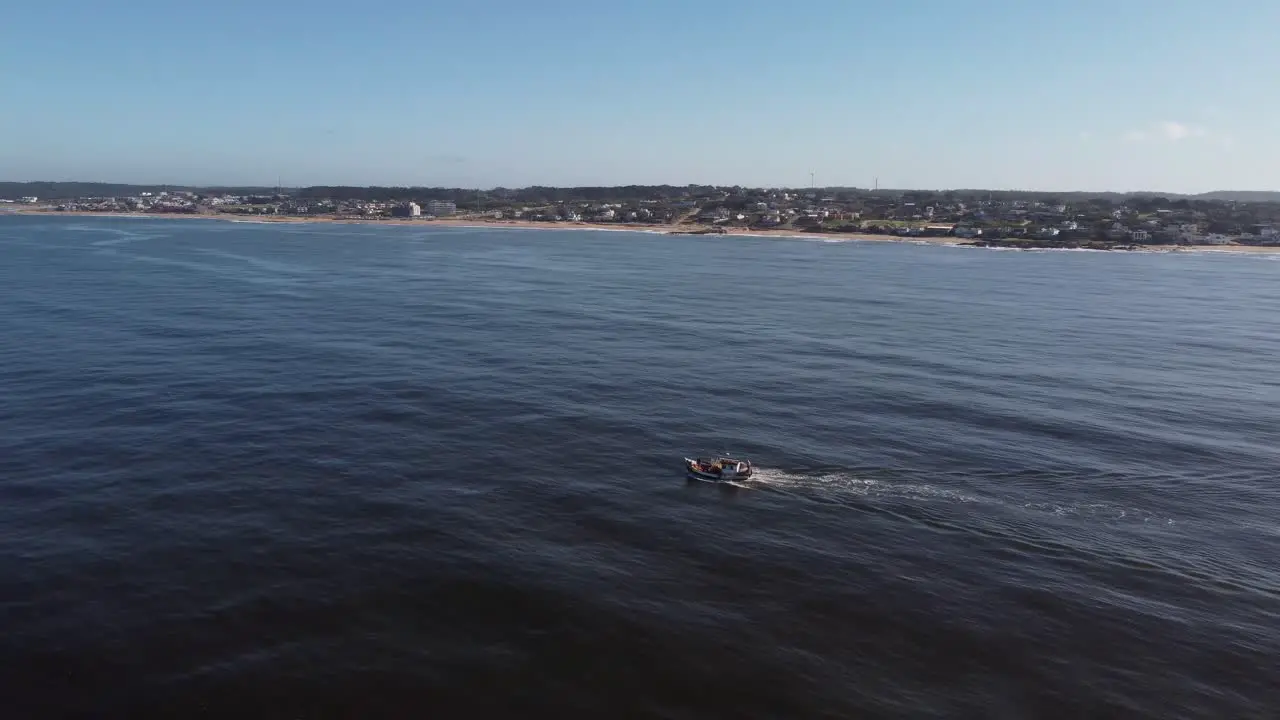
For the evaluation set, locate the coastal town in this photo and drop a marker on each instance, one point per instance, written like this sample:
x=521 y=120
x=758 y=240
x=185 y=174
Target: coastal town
x=995 y=218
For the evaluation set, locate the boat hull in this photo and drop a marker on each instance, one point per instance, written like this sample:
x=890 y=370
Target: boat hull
x=716 y=478
x=693 y=473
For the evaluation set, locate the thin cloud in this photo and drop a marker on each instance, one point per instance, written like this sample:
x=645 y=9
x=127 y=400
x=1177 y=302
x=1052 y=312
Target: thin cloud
x=1178 y=131
x=1166 y=131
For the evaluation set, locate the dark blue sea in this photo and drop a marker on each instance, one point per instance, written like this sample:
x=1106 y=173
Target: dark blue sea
x=311 y=471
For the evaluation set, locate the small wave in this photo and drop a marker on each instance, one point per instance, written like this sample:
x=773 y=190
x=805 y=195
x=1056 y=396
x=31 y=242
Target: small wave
x=801 y=238
x=1233 y=252
x=270 y=266
x=119 y=236
x=488 y=227
x=1098 y=511
x=642 y=231
x=279 y=282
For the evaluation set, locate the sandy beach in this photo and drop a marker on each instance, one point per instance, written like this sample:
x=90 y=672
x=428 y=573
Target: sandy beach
x=470 y=222
x=616 y=227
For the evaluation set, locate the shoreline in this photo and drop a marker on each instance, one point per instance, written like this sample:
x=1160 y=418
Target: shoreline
x=660 y=229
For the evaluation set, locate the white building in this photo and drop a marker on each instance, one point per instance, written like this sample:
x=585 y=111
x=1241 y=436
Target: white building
x=29 y=199
x=441 y=207
x=1187 y=233
x=407 y=210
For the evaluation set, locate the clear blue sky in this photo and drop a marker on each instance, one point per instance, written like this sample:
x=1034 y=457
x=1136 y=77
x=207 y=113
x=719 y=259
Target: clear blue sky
x=1182 y=96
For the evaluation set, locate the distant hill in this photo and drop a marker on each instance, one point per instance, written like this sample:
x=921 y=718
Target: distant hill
x=1249 y=196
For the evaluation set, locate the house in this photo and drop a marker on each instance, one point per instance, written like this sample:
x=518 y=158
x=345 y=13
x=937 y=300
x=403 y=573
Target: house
x=1186 y=232
x=1140 y=236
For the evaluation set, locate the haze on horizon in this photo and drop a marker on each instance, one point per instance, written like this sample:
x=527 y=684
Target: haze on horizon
x=999 y=94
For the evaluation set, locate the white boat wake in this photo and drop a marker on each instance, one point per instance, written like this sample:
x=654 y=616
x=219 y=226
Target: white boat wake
x=849 y=484
x=839 y=487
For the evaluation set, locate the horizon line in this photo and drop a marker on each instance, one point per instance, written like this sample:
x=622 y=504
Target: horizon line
x=205 y=186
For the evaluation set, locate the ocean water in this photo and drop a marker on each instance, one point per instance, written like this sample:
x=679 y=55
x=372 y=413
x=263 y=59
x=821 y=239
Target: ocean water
x=355 y=471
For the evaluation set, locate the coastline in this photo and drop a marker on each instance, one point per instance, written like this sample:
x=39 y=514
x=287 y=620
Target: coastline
x=661 y=229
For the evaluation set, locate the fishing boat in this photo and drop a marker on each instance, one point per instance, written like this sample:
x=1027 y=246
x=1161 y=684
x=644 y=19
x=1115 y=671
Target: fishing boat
x=720 y=469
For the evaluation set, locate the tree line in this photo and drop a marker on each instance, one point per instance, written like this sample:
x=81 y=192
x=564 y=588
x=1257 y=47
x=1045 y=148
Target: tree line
x=542 y=195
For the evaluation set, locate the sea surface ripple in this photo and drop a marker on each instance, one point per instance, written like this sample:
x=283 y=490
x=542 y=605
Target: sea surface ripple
x=308 y=470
